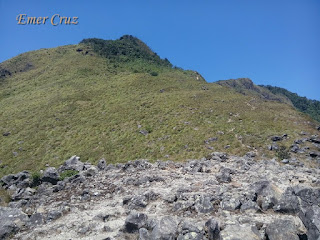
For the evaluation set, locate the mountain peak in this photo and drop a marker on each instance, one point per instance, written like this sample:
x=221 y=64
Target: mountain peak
x=126 y=48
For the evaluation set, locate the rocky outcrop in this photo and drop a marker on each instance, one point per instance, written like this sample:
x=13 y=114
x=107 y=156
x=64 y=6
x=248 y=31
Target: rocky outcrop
x=219 y=197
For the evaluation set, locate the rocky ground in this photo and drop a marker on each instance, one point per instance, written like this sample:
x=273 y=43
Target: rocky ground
x=217 y=197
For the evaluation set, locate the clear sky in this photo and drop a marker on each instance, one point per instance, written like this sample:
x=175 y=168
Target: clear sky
x=275 y=42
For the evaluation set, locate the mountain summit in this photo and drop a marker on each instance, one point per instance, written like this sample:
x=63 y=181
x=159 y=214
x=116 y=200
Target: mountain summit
x=126 y=48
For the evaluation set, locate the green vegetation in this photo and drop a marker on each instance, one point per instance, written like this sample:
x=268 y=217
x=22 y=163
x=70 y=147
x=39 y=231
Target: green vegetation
x=310 y=107
x=67 y=174
x=80 y=100
x=36 y=179
x=5 y=197
x=283 y=153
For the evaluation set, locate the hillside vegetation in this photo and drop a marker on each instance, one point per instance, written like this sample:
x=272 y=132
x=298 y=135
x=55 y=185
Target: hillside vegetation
x=119 y=101
x=303 y=104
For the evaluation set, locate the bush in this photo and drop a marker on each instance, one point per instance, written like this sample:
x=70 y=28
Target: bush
x=283 y=153
x=36 y=179
x=154 y=74
x=67 y=174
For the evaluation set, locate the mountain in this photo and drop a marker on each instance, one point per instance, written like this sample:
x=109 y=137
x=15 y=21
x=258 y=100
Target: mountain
x=246 y=87
x=310 y=107
x=118 y=100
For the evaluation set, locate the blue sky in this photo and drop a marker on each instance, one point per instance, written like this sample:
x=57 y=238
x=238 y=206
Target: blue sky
x=275 y=42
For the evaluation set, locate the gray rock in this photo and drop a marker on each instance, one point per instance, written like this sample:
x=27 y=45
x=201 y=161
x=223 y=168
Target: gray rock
x=90 y=172
x=102 y=164
x=36 y=219
x=138 y=201
x=276 y=138
x=273 y=147
x=240 y=232
x=135 y=221
x=54 y=215
x=311 y=219
x=213 y=229
x=309 y=196
x=11 y=221
x=314 y=154
x=21 y=180
x=295 y=148
x=23 y=193
x=289 y=202
x=224 y=175
x=6 y=134
x=165 y=229
x=203 y=204
x=59 y=187
x=144 y=234
x=72 y=163
x=218 y=156
x=230 y=204
x=282 y=230
x=315 y=140
x=190 y=236
x=50 y=175
x=268 y=195
x=144 y=132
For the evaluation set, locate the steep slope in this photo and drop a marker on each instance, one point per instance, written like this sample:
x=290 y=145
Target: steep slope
x=310 y=107
x=247 y=87
x=79 y=99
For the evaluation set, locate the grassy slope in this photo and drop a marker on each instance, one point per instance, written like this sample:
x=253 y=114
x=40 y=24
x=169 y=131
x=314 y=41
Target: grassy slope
x=71 y=103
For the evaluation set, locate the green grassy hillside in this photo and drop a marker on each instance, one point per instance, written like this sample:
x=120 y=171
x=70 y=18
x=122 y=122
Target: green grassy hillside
x=310 y=107
x=78 y=99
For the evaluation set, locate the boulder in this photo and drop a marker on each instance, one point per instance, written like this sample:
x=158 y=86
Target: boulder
x=165 y=229
x=273 y=147
x=23 y=193
x=294 y=148
x=289 y=202
x=314 y=154
x=102 y=164
x=51 y=175
x=237 y=232
x=203 y=204
x=144 y=234
x=224 y=175
x=268 y=194
x=218 y=156
x=190 y=236
x=282 y=230
x=11 y=221
x=315 y=140
x=135 y=221
x=72 y=163
x=230 y=203
x=309 y=196
x=213 y=229
x=20 y=180
x=54 y=215
x=311 y=219
x=90 y=172
x=276 y=138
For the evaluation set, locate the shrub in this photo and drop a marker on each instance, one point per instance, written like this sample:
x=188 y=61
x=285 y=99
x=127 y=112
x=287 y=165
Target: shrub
x=5 y=197
x=154 y=74
x=283 y=153
x=36 y=179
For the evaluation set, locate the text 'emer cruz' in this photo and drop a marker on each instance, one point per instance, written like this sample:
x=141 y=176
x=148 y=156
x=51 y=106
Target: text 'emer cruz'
x=55 y=20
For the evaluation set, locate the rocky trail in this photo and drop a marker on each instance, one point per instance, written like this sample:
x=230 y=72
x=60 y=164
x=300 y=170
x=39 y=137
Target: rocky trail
x=217 y=197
